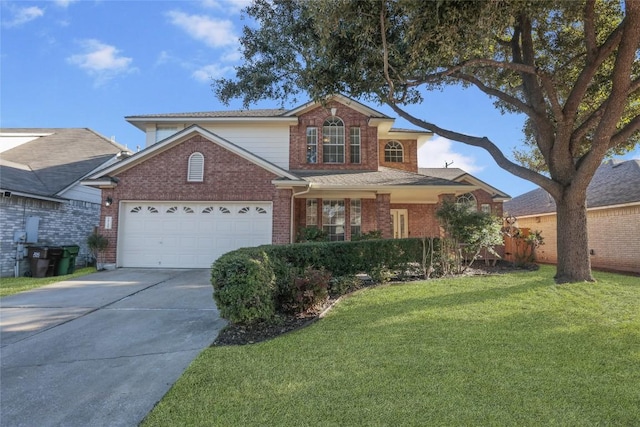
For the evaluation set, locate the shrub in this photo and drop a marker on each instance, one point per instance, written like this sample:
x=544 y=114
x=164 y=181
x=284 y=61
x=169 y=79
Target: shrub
x=343 y=285
x=253 y=284
x=311 y=234
x=244 y=283
x=307 y=289
x=371 y=235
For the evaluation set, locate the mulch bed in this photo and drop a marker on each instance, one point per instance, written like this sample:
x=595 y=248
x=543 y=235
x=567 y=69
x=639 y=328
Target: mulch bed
x=236 y=334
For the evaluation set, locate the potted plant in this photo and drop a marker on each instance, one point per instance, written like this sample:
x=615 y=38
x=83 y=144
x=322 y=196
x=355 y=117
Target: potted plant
x=97 y=244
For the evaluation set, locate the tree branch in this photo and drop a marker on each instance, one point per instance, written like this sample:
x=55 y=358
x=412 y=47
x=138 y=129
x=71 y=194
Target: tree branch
x=497 y=93
x=502 y=161
x=590 y=30
x=586 y=75
x=620 y=137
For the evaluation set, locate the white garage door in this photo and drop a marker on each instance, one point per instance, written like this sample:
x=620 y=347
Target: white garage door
x=189 y=235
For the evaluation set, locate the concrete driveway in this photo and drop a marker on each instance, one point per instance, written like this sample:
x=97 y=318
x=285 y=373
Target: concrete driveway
x=101 y=350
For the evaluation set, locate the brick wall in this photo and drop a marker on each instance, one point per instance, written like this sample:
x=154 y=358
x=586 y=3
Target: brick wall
x=351 y=118
x=613 y=237
x=61 y=224
x=409 y=152
x=227 y=177
x=422 y=219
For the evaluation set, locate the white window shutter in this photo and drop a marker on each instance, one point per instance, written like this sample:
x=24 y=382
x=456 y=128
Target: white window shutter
x=196 y=168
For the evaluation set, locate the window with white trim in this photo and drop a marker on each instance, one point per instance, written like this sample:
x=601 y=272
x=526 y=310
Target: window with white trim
x=354 y=145
x=393 y=152
x=333 y=140
x=165 y=132
x=486 y=208
x=195 y=171
x=312 y=212
x=333 y=219
x=468 y=201
x=312 y=145
x=355 y=214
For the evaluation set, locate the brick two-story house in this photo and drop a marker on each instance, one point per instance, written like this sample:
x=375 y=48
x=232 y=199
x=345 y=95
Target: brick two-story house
x=207 y=183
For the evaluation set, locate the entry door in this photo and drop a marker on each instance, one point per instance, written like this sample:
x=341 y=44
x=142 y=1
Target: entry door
x=400 y=222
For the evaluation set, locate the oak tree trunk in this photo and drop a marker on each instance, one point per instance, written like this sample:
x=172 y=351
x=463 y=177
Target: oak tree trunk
x=574 y=263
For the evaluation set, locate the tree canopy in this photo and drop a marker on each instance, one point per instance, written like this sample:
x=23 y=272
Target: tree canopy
x=572 y=67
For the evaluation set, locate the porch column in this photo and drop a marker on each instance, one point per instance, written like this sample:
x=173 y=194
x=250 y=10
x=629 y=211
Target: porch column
x=383 y=214
x=281 y=227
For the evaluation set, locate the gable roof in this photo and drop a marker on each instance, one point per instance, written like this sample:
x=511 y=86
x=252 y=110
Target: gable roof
x=102 y=177
x=614 y=183
x=43 y=162
x=459 y=175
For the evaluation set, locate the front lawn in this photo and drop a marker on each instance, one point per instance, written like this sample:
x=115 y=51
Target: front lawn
x=514 y=349
x=13 y=285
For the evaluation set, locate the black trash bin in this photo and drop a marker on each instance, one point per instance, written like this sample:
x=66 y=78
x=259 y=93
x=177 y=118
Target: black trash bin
x=55 y=254
x=39 y=261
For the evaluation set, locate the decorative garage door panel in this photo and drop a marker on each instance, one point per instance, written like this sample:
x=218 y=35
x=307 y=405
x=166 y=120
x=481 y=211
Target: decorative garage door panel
x=189 y=235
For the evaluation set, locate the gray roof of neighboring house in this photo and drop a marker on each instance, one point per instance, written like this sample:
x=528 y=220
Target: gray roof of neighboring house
x=614 y=183
x=383 y=176
x=49 y=164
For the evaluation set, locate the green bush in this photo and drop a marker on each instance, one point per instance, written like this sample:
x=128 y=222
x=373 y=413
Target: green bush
x=244 y=284
x=343 y=285
x=254 y=284
x=308 y=289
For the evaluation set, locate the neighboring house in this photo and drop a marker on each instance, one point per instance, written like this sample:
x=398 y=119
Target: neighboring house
x=211 y=182
x=613 y=217
x=41 y=199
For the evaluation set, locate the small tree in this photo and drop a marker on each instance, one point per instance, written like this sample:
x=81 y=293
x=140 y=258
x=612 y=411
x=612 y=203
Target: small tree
x=97 y=244
x=467 y=234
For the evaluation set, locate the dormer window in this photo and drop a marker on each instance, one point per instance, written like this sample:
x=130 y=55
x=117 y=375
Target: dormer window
x=333 y=140
x=393 y=152
x=195 y=172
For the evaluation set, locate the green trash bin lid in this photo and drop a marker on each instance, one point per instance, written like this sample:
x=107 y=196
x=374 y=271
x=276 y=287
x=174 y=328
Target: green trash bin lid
x=72 y=249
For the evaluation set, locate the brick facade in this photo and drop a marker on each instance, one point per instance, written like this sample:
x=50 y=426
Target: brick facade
x=61 y=224
x=613 y=237
x=227 y=177
x=409 y=151
x=351 y=118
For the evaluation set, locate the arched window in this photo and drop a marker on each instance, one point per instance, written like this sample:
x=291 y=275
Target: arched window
x=195 y=171
x=468 y=201
x=333 y=140
x=393 y=152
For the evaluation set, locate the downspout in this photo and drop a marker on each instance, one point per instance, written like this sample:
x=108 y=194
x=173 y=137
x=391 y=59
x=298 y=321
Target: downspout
x=293 y=196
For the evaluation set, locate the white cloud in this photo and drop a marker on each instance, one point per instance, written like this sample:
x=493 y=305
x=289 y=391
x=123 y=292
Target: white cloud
x=212 y=71
x=437 y=151
x=229 y=6
x=23 y=15
x=64 y=3
x=213 y=32
x=101 y=61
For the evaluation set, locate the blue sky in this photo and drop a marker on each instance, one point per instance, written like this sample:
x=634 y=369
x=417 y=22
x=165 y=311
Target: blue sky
x=91 y=63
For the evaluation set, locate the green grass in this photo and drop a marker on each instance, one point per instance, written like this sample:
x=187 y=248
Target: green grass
x=512 y=350
x=13 y=285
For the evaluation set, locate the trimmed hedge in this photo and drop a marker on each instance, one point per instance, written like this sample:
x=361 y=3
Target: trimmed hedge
x=254 y=284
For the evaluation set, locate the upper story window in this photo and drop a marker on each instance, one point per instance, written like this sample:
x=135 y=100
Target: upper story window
x=333 y=140
x=312 y=145
x=354 y=145
x=393 y=152
x=195 y=172
x=468 y=201
x=165 y=132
